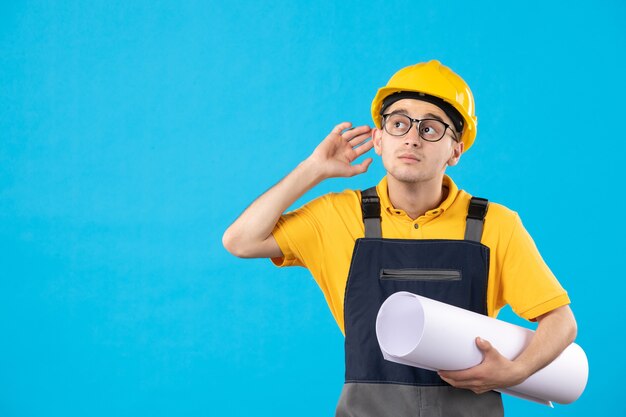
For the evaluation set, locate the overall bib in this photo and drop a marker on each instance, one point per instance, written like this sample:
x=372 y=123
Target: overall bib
x=451 y=271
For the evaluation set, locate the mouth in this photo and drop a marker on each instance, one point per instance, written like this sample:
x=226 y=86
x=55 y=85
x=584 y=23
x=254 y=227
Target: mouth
x=409 y=157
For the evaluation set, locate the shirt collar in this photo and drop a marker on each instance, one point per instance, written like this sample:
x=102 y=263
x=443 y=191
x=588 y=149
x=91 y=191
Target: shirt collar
x=383 y=193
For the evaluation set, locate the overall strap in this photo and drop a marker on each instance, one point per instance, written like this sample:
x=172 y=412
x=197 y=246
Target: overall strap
x=475 y=218
x=370 y=206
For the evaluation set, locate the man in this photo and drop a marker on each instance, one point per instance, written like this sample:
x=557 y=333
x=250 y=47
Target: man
x=416 y=231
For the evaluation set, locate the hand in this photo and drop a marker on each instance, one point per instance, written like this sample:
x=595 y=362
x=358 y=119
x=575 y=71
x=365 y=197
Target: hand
x=494 y=372
x=335 y=154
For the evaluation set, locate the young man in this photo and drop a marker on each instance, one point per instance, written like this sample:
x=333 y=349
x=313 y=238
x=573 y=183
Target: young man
x=448 y=245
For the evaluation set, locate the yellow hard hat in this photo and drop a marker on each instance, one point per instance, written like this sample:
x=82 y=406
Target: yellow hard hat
x=433 y=79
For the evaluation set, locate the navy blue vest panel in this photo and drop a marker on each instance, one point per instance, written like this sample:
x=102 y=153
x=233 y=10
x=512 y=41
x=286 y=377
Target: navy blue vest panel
x=451 y=271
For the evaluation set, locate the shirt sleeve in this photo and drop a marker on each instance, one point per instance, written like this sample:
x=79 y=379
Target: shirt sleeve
x=299 y=234
x=528 y=285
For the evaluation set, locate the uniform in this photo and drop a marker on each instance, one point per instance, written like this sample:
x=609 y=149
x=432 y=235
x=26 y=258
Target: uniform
x=500 y=266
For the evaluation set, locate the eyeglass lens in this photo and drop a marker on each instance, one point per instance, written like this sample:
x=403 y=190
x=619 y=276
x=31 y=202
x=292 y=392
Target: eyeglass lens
x=429 y=129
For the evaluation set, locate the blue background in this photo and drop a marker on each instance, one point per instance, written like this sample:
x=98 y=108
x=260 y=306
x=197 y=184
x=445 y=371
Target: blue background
x=132 y=134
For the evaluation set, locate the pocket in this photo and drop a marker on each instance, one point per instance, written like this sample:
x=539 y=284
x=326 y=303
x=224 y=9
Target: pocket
x=410 y=274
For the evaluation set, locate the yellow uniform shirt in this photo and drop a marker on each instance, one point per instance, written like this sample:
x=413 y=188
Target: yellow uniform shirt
x=320 y=236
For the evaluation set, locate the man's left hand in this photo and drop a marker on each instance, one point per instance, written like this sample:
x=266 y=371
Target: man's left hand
x=494 y=372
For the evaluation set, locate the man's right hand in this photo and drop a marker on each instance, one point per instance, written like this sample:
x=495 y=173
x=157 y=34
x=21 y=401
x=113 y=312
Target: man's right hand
x=250 y=236
x=335 y=154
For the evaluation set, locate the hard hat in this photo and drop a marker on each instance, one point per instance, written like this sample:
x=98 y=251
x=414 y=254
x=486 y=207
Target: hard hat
x=434 y=79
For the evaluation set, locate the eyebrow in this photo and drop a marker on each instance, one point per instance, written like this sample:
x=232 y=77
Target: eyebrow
x=400 y=110
x=433 y=116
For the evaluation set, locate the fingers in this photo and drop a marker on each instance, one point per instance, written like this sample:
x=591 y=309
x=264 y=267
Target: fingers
x=466 y=375
x=357 y=132
x=362 y=148
x=491 y=373
x=350 y=133
x=458 y=384
x=357 y=140
x=448 y=380
x=362 y=167
x=475 y=385
x=341 y=126
x=355 y=135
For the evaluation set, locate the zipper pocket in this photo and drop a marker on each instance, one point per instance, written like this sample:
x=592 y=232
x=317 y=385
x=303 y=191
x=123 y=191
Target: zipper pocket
x=421 y=274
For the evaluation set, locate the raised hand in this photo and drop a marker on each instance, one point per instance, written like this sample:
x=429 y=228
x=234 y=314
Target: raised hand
x=250 y=236
x=335 y=154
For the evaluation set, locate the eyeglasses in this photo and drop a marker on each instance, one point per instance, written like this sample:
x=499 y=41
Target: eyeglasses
x=431 y=130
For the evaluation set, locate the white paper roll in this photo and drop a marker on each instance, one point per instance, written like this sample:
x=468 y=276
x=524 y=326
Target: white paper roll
x=417 y=331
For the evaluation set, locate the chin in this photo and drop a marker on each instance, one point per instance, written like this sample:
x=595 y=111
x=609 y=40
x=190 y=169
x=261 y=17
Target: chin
x=410 y=175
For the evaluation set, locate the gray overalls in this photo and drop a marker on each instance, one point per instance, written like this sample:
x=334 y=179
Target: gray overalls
x=450 y=271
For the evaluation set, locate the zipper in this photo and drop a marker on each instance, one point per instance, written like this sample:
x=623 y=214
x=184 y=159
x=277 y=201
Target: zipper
x=421 y=274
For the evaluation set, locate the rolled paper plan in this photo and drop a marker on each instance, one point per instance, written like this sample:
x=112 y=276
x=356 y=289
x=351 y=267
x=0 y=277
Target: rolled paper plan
x=418 y=331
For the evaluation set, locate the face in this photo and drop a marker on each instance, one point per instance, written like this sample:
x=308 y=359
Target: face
x=410 y=158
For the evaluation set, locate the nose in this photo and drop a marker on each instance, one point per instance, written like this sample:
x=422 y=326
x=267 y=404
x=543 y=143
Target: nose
x=412 y=137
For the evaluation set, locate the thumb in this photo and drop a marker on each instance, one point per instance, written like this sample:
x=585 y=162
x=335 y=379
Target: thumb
x=362 y=167
x=483 y=345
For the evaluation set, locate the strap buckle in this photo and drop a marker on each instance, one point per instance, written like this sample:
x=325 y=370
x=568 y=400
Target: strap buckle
x=370 y=207
x=477 y=208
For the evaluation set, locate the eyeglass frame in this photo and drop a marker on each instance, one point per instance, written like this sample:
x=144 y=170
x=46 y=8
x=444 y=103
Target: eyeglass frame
x=417 y=122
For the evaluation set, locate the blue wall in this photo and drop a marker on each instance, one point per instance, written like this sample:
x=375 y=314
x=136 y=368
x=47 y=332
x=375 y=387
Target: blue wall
x=132 y=134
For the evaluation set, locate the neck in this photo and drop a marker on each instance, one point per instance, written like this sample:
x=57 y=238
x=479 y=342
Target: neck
x=416 y=198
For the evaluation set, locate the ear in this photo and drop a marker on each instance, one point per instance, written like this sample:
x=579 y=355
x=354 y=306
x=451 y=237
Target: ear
x=457 y=150
x=377 y=138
